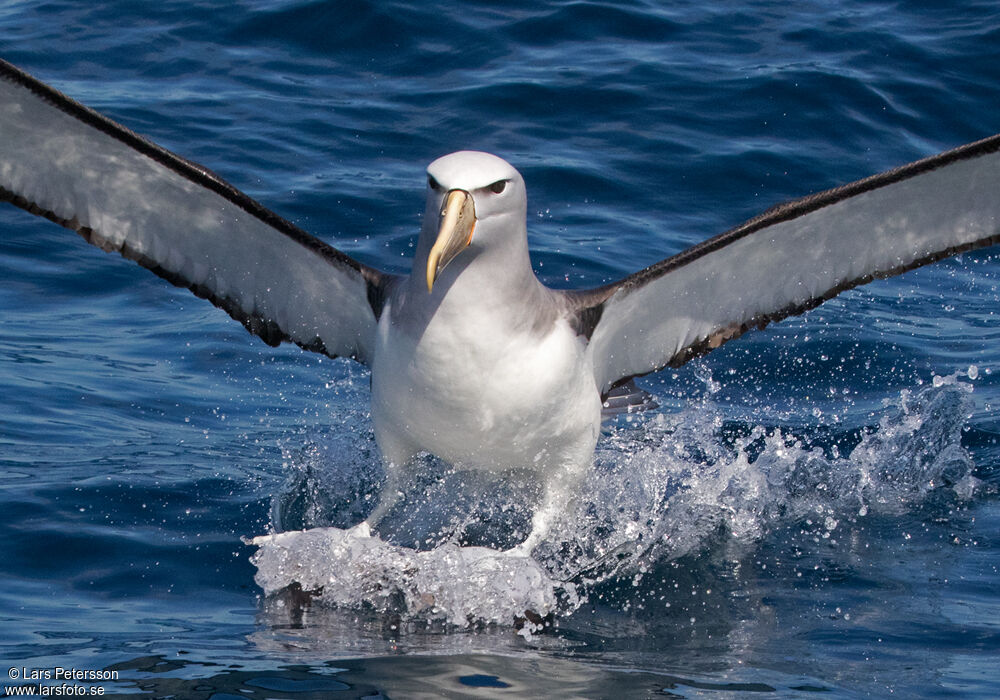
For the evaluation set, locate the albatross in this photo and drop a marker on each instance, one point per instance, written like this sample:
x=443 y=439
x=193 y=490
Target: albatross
x=472 y=358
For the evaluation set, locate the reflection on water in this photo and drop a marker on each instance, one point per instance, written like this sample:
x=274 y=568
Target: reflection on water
x=435 y=676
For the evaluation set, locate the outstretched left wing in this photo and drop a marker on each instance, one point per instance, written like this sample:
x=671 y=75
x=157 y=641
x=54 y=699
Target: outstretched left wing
x=63 y=161
x=792 y=258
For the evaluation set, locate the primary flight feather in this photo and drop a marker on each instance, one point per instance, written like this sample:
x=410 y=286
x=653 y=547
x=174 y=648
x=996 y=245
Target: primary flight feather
x=473 y=359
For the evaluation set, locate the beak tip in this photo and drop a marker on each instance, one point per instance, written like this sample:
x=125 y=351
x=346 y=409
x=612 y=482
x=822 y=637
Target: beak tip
x=432 y=271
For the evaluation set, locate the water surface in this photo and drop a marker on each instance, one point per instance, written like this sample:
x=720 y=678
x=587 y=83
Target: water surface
x=813 y=510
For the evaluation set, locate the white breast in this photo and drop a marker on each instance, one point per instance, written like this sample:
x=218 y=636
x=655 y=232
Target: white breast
x=482 y=396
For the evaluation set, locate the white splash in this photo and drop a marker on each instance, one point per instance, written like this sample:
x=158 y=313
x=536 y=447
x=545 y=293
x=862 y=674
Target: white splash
x=661 y=488
x=460 y=585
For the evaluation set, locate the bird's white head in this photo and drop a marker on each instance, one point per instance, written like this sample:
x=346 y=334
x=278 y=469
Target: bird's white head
x=476 y=199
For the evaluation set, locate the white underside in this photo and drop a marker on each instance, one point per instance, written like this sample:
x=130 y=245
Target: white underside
x=479 y=397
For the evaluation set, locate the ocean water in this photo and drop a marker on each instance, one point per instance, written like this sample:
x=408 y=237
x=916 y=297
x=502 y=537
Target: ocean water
x=813 y=510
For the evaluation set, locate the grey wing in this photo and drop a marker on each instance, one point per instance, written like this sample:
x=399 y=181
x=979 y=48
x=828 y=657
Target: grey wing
x=61 y=160
x=792 y=258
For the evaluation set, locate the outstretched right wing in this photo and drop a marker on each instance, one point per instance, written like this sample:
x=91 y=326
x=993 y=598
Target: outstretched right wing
x=63 y=161
x=792 y=258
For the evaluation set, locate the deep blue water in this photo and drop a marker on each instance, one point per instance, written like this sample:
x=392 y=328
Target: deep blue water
x=143 y=434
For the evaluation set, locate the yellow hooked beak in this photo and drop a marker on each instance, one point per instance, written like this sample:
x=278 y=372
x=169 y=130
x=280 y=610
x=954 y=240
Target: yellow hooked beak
x=458 y=221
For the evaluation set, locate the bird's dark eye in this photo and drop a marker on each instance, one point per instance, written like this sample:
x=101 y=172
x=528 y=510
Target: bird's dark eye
x=498 y=186
x=433 y=184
